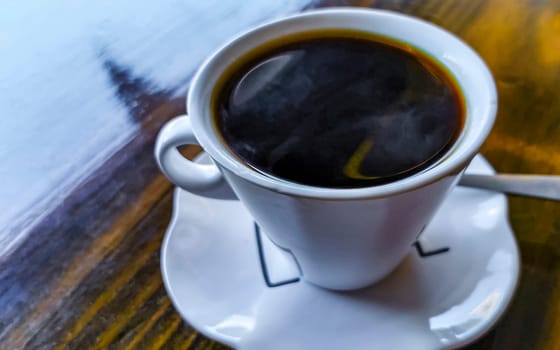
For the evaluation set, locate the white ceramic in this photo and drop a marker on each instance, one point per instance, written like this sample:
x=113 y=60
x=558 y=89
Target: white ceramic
x=213 y=272
x=342 y=238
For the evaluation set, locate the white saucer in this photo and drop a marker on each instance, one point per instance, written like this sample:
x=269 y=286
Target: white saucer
x=235 y=286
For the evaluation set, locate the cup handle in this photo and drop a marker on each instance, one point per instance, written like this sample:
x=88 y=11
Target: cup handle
x=201 y=179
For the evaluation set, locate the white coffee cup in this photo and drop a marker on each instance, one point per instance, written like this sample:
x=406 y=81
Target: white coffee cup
x=342 y=238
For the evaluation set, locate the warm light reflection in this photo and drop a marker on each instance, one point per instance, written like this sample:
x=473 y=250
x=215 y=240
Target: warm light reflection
x=480 y=305
x=487 y=307
x=446 y=327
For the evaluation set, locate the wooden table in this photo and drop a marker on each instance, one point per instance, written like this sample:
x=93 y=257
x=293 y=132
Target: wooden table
x=85 y=88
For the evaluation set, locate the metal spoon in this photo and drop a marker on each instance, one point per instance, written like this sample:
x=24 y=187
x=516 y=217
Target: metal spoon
x=539 y=186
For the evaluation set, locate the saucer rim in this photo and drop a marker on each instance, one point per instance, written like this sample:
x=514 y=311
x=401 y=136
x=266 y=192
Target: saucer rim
x=197 y=327
x=500 y=312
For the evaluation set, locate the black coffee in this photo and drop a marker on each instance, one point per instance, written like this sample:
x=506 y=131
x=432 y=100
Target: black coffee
x=338 y=109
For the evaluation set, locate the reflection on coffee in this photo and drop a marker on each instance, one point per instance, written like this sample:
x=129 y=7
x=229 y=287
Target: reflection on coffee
x=338 y=109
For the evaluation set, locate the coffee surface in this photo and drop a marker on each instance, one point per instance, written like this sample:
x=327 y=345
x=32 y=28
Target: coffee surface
x=338 y=112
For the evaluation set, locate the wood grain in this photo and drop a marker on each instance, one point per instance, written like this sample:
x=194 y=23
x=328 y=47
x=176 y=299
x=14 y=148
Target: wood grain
x=87 y=276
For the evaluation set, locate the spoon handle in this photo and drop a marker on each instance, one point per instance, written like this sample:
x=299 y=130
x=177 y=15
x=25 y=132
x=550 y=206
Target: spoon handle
x=540 y=186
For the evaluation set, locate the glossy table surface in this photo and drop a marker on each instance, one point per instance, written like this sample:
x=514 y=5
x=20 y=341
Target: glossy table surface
x=86 y=86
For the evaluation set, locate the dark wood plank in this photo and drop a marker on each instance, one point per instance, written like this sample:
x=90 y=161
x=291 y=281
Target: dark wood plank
x=87 y=276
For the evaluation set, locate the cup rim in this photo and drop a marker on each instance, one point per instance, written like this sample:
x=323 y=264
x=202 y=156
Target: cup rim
x=452 y=163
